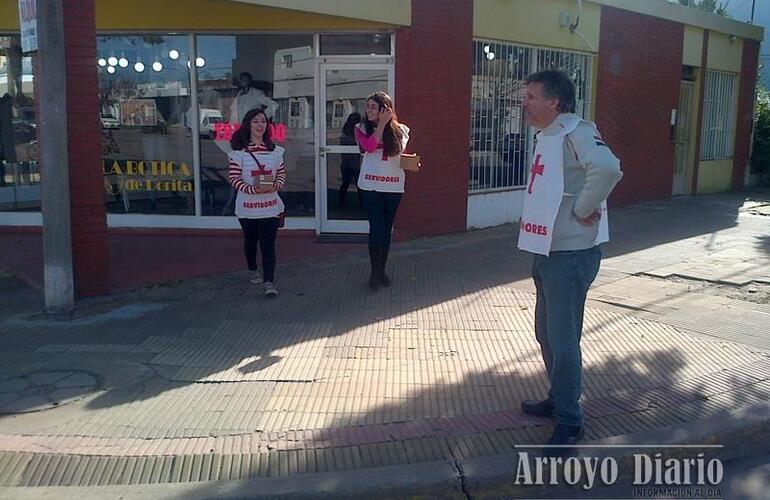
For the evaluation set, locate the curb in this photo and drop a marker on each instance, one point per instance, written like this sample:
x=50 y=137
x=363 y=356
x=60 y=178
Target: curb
x=747 y=430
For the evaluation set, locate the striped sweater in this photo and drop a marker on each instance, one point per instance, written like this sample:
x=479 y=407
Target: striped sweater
x=244 y=160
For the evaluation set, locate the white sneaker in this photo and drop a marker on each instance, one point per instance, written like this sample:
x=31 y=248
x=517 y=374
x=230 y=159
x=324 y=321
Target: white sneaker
x=270 y=289
x=256 y=277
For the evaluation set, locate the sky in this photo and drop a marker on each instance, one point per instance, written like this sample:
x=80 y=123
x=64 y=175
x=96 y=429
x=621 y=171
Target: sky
x=740 y=10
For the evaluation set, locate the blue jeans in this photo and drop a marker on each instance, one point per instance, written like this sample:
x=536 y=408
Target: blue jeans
x=381 y=211
x=562 y=280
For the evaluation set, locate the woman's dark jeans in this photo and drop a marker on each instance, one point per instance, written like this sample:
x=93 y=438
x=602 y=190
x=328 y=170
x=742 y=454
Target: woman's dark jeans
x=381 y=211
x=262 y=232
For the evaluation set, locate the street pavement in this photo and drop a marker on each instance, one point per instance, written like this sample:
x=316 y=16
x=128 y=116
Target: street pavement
x=206 y=383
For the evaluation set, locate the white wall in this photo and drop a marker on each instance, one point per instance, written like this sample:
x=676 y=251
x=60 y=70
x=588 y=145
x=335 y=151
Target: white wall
x=493 y=209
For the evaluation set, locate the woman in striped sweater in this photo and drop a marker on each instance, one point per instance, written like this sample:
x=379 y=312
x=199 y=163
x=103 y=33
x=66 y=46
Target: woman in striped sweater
x=257 y=172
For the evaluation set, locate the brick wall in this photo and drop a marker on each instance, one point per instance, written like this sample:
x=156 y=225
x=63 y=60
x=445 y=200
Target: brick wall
x=749 y=62
x=640 y=64
x=433 y=87
x=89 y=220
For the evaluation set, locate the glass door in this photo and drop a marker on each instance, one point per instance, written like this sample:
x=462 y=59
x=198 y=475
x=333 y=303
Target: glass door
x=344 y=88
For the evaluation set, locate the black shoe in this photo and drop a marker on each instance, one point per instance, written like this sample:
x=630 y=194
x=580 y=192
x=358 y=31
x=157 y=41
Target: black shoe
x=542 y=408
x=384 y=280
x=376 y=273
x=565 y=437
x=374 y=282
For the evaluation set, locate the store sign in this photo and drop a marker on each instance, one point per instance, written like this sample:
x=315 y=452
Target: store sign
x=145 y=176
x=28 y=18
x=224 y=131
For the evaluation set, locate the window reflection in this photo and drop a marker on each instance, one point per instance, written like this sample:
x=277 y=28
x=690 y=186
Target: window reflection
x=274 y=72
x=346 y=92
x=19 y=172
x=350 y=44
x=144 y=89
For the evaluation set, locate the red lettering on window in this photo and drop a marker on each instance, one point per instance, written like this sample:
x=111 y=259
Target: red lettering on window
x=278 y=132
x=225 y=131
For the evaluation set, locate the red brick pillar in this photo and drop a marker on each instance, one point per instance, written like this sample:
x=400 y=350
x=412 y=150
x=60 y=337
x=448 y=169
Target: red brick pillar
x=434 y=60
x=749 y=62
x=639 y=70
x=88 y=215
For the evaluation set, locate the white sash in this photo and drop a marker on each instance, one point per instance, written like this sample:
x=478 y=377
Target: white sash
x=544 y=194
x=603 y=235
x=262 y=205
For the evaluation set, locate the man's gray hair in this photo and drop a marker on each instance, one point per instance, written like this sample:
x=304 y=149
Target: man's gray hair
x=556 y=84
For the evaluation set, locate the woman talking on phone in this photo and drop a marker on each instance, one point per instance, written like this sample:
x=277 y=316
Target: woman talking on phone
x=381 y=181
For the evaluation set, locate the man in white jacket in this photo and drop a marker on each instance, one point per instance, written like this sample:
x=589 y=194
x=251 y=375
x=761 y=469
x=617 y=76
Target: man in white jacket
x=563 y=222
x=248 y=98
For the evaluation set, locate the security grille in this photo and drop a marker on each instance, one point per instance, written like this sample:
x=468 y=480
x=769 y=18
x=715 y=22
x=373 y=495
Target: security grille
x=718 y=116
x=501 y=144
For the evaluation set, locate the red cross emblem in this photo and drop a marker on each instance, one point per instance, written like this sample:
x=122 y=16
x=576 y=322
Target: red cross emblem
x=537 y=169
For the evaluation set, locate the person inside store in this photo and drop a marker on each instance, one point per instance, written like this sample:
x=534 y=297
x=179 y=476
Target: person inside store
x=249 y=96
x=256 y=171
x=381 y=180
x=350 y=165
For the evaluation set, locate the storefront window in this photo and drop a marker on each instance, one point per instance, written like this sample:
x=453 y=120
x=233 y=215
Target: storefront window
x=237 y=73
x=144 y=88
x=19 y=172
x=501 y=142
x=354 y=44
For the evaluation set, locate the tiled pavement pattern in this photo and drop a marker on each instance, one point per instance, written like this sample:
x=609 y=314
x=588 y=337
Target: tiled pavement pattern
x=720 y=240
x=207 y=380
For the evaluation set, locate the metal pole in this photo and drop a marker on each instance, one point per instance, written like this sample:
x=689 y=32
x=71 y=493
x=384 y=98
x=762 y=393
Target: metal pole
x=58 y=277
x=753 y=2
x=192 y=47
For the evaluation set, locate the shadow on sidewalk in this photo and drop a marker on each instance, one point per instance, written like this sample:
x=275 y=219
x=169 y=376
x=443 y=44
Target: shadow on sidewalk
x=138 y=259
x=641 y=393
x=763 y=243
x=330 y=291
